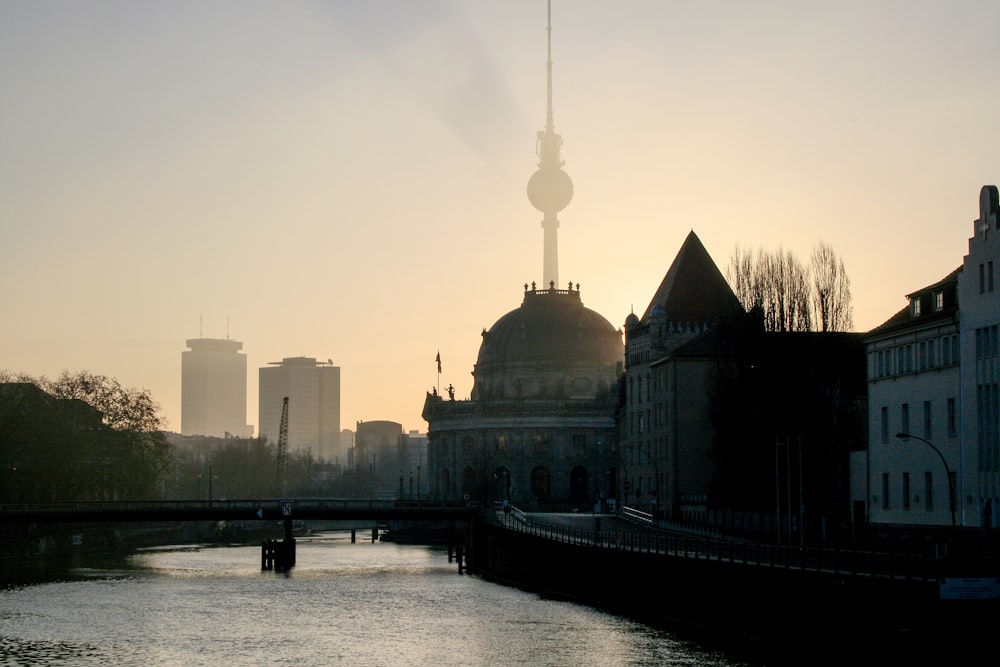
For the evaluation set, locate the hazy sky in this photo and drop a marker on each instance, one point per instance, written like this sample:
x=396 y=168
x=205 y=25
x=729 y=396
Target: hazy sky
x=346 y=180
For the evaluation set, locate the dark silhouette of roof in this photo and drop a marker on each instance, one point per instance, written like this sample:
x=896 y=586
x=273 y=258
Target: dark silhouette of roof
x=694 y=290
x=905 y=317
x=553 y=327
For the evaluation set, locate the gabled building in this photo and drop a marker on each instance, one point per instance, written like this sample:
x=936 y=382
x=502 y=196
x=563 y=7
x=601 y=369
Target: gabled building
x=933 y=455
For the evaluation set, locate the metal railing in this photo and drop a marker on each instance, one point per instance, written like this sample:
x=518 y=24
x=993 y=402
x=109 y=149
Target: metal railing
x=842 y=562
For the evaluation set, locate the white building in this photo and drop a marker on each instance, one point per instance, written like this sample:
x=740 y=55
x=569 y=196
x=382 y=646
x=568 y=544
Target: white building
x=214 y=389
x=313 y=391
x=932 y=375
x=979 y=300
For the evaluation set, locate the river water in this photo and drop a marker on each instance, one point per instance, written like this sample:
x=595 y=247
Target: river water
x=343 y=604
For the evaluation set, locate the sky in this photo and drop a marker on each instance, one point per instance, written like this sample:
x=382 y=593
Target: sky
x=346 y=180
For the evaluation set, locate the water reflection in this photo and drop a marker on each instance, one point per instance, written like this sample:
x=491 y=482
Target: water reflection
x=359 y=604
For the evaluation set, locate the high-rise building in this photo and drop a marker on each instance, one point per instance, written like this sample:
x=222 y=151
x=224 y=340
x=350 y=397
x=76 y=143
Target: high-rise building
x=214 y=388
x=313 y=391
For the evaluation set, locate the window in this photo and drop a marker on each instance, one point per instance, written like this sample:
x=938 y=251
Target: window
x=954 y=349
x=989 y=276
x=885 y=490
x=922 y=355
x=939 y=300
x=945 y=352
x=928 y=491
x=915 y=306
x=927 y=419
x=885 y=424
x=931 y=353
x=951 y=418
x=904 y=418
x=906 y=490
x=982 y=278
x=951 y=491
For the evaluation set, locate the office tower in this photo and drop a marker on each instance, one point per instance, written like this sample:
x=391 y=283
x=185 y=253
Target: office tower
x=313 y=391
x=214 y=389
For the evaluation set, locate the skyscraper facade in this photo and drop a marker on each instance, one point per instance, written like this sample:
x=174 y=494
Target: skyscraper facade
x=214 y=389
x=313 y=391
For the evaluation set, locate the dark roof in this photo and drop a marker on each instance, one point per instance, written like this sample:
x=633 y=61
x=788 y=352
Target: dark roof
x=694 y=290
x=551 y=326
x=904 y=317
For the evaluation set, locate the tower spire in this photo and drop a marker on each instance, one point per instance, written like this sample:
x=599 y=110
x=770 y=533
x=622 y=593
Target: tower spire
x=550 y=189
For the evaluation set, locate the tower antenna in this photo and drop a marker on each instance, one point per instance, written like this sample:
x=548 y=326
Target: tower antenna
x=550 y=189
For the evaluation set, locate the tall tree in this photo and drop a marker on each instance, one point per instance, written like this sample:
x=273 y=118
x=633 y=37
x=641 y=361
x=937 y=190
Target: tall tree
x=831 y=297
x=789 y=295
x=775 y=283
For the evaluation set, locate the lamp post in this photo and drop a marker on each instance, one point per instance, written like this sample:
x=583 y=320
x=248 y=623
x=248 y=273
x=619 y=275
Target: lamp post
x=656 y=491
x=947 y=472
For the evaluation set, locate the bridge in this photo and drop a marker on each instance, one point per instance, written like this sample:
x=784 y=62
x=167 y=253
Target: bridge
x=299 y=509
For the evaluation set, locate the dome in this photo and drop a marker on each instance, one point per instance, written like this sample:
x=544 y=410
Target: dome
x=551 y=346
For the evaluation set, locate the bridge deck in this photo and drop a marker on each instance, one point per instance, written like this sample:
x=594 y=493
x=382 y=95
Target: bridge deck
x=237 y=510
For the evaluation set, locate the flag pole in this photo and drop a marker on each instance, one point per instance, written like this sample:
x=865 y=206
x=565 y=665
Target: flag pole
x=438 y=360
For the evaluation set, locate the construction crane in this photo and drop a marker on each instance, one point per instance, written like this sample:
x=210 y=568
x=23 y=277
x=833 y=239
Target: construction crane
x=282 y=458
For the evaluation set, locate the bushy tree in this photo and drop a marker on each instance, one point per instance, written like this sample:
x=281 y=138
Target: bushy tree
x=119 y=453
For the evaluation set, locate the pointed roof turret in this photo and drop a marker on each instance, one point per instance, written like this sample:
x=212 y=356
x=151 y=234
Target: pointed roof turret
x=694 y=290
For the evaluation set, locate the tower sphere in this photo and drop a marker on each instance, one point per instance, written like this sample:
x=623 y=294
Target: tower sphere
x=550 y=190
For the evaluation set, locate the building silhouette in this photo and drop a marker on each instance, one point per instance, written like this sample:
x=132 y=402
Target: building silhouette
x=665 y=459
x=214 y=388
x=313 y=391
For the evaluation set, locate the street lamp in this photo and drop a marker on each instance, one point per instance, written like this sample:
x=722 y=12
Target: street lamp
x=947 y=472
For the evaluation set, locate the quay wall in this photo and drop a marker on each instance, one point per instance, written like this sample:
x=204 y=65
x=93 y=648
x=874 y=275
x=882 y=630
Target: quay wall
x=790 y=606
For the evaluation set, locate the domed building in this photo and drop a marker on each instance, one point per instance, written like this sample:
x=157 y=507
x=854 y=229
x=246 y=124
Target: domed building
x=541 y=420
x=539 y=427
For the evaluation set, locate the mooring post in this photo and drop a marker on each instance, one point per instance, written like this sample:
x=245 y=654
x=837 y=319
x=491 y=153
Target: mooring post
x=374 y=533
x=354 y=535
x=459 y=553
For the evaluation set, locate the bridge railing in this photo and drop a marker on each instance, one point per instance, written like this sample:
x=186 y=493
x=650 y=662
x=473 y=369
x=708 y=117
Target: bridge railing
x=638 y=515
x=811 y=559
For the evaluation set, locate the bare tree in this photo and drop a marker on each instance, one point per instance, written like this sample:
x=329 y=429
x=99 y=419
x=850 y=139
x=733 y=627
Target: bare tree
x=776 y=283
x=831 y=297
